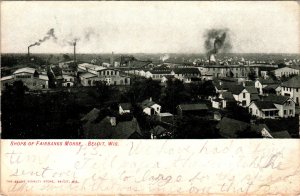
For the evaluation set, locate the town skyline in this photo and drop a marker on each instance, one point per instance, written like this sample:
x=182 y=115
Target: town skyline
x=162 y=27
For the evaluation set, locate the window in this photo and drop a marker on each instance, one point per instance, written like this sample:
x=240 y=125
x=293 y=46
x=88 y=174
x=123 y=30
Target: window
x=284 y=112
x=297 y=89
x=112 y=73
x=244 y=95
x=291 y=112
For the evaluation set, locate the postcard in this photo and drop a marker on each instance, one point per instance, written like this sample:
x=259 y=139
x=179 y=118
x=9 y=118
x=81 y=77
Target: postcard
x=152 y=97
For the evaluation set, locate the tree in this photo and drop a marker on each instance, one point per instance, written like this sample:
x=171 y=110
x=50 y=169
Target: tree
x=175 y=93
x=202 y=89
x=142 y=89
x=272 y=75
x=66 y=57
x=252 y=75
x=103 y=91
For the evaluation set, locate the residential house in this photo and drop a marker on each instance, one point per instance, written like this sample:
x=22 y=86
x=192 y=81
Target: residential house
x=243 y=95
x=262 y=83
x=224 y=100
x=285 y=71
x=231 y=128
x=263 y=109
x=199 y=109
x=291 y=88
x=272 y=89
x=150 y=107
x=30 y=78
x=109 y=127
x=284 y=104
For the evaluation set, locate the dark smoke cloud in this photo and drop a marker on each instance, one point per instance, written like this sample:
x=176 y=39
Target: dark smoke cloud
x=50 y=34
x=217 y=40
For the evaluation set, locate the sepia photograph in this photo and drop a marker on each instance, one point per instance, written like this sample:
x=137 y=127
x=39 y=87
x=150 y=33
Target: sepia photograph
x=152 y=97
x=131 y=71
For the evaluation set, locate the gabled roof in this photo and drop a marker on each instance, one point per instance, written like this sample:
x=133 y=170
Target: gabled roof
x=251 y=89
x=126 y=106
x=278 y=99
x=271 y=86
x=235 y=89
x=88 y=75
x=104 y=129
x=95 y=129
x=227 y=96
x=193 y=107
x=229 y=127
x=254 y=97
x=25 y=70
x=267 y=81
x=263 y=105
x=292 y=83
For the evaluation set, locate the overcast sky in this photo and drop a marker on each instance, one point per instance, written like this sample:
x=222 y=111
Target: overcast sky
x=155 y=27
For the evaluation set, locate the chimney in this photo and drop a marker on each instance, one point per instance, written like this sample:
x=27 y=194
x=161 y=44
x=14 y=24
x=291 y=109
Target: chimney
x=150 y=99
x=113 y=121
x=112 y=59
x=74 y=44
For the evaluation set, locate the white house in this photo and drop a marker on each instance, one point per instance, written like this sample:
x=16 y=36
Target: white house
x=263 y=109
x=285 y=71
x=244 y=95
x=291 y=88
x=260 y=84
x=150 y=108
x=285 y=105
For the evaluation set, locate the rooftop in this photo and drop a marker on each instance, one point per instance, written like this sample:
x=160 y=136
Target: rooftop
x=25 y=70
x=88 y=75
x=190 y=107
x=263 y=105
x=275 y=99
x=292 y=83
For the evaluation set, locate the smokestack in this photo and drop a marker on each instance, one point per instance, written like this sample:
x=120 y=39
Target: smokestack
x=112 y=59
x=74 y=44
